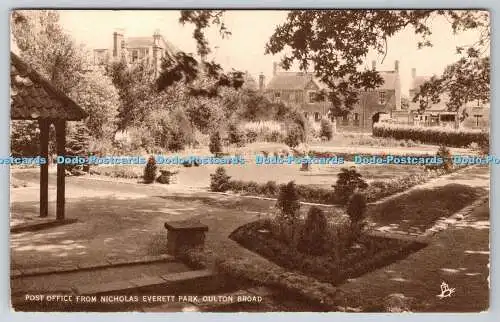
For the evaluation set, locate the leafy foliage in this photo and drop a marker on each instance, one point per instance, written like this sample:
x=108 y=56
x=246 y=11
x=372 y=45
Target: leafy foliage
x=336 y=42
x=348 y=181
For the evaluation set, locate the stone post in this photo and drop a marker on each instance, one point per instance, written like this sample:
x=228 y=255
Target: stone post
x=184 y=235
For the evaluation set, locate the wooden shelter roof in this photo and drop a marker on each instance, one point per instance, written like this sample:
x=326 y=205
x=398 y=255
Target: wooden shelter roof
x=33 y=97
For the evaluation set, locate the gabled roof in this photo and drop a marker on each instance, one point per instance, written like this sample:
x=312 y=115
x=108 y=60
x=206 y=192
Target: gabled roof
x=33 y=97
x=141 y=42
x=299 y=81
x=289 y=81
x=390 y=78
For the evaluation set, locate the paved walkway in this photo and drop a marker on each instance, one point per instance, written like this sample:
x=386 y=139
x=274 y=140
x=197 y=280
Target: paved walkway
x=118 y=220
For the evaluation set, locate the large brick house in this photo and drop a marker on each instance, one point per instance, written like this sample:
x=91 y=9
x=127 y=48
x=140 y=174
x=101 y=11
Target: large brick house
x=299 y=89
x=149 y=49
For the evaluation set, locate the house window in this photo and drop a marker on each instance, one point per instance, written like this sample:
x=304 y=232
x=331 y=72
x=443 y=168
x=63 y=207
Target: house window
x=306 y=115
x=381 y=98
x=312 y=97
x=317 y=116
x=345 y=119
x=277 y=96
x=135 y=55
x=356 y=119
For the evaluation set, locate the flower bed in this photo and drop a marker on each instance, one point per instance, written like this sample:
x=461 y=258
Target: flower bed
x=372 y=252
x=431 y=135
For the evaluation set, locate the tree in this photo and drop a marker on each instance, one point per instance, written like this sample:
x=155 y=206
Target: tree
x=336 y=43
x=96 y=94
x=135 y=87
x=45 y=47
x=467 y=80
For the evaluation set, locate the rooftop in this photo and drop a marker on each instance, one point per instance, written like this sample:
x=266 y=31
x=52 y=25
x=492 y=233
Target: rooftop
x=33 y=97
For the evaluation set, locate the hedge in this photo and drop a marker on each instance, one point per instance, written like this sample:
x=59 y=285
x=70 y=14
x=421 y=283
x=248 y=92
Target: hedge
x=431 y=135
x=376 y=190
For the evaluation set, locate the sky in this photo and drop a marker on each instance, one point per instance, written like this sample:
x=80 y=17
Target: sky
x=251 y=29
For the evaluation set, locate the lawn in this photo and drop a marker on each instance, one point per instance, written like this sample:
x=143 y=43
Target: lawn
x=418 y=210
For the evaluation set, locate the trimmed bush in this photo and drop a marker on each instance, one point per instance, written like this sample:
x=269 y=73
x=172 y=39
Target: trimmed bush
x=431 y=135
x=150 y=170
x=219 y=181
x=313 y=238
x=348 y=181
x=215 y=144
x=288 y=202
x=356 y=210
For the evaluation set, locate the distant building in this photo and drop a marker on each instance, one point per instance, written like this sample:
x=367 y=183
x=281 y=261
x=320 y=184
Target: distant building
x=149 y=49
x=300 y=89
x=476 y=113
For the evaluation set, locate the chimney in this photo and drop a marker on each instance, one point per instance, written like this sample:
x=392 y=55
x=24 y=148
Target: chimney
x=156 y=37
x=396 y=66
x=261 y=82
x=275 y=68
x=374 y=65
x=117 y=43
x=413 y=72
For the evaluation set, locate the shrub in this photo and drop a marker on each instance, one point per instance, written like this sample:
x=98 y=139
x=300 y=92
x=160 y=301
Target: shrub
x=215 y=144
x=235 y=134
x=314 y=233
x=431 y=135
x=271 y=188
x=150 y=170
x=219 y=181
x=251 y=136
x=288 y=202
x=356 y=210
x=165 y=176
x=273 y=136
x=445 y=154
x=294 y=136
x=326 y=129
x=348 y=181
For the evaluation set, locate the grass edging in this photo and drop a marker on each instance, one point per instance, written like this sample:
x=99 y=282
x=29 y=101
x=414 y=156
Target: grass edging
x=324 y=296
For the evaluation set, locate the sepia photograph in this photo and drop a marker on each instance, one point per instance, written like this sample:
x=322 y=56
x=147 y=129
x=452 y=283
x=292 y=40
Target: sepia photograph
x=250 y=160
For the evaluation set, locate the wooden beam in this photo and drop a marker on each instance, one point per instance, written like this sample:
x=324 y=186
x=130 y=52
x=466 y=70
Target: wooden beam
x=44 y=168
x=61 y=151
